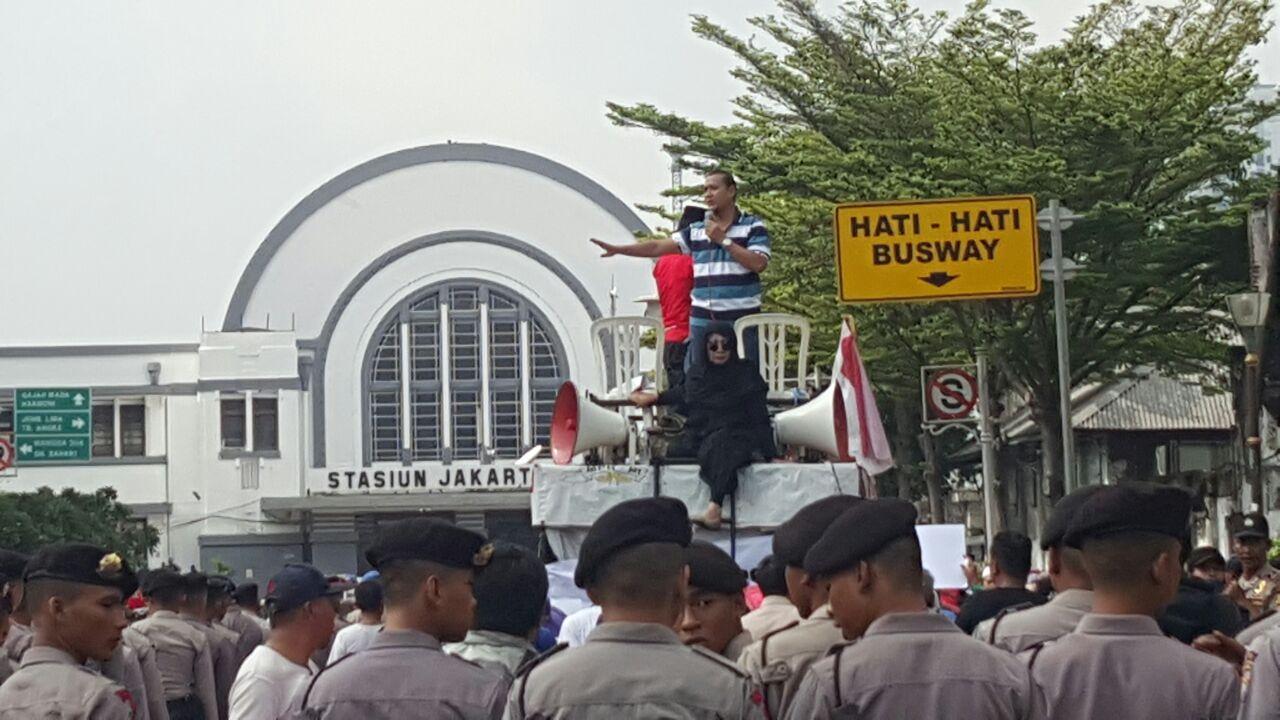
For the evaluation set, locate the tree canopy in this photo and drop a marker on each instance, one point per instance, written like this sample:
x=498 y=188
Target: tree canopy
x=1139 y=119
x=30 y=520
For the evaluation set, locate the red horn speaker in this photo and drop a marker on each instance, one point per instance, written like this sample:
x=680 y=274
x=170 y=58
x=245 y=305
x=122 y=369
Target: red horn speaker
x=577 y=425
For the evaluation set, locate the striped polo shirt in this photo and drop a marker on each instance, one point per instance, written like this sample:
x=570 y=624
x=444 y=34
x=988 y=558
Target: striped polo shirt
x=722 y=288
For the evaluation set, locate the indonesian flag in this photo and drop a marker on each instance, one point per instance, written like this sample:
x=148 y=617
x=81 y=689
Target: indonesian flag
x=867 y=443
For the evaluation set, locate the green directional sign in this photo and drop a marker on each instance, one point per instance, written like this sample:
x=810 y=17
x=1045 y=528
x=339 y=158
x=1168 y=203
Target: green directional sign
x=53 y=424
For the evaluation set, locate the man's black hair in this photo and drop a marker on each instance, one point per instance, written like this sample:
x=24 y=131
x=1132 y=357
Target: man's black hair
x=511 y=591
x=1012 y=551
x=728 y=176
x=641 y=575
x=369 y=596
x=771 y=576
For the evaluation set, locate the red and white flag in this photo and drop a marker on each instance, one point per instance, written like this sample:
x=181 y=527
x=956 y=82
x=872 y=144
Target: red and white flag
x=868 y=445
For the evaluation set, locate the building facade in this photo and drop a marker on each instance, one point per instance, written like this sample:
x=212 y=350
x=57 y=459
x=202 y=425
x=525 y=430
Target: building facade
x=392 y=347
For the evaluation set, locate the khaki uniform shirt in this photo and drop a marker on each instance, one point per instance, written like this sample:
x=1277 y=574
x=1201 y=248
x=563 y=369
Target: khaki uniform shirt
x=249 y=633
x=1263 y=587
x=632 y=670
x=1019 y=630
x=51 y=684
x=17 y=642
x=183 y=658
x=1122 y=666
x=777 y=662
x=404 y=675
x=151 y=679
x=775 y=612
x=494 y=650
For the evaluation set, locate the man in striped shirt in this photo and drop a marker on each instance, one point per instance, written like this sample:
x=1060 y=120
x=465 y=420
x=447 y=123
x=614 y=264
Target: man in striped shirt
x=730 y=249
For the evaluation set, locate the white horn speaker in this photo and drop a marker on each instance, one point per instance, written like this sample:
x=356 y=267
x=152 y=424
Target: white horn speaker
x=819 y=424
x=577 y=424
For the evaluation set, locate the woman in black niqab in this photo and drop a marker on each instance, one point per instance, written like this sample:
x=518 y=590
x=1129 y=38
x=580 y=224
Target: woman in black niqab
x=727 y=419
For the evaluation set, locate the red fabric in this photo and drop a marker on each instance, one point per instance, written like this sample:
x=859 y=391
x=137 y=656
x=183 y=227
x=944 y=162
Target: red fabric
x=754 y=596
x=136 y=602
x=674 y=275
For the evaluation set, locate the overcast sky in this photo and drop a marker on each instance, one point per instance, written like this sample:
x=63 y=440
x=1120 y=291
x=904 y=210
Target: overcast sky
x=147 y=148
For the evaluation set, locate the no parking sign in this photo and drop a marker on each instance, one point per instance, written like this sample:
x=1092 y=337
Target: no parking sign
x=949 y=393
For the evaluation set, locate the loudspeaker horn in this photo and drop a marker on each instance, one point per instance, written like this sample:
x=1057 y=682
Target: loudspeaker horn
x=577 y=424
x=819 y=424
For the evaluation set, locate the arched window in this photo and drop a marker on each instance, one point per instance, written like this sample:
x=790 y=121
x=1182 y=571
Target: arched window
x=473 y=367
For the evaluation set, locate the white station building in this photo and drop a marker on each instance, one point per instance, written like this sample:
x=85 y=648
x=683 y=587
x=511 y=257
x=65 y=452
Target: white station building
x=393 y=345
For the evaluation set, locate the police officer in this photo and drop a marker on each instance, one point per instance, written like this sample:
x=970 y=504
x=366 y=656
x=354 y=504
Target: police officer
x=1118 y=663
x=777 y=662
x=1017 y=628
x=715 y=606
x=1258 y=589
x=181 y=650
x=151 y=679
x=908 y=662
x=76 y=593
x=222 y=641
x=632 y=563
x=511 y=596
x=427 y=568
x=124 y=668
x=12 y=565
x=219 y=604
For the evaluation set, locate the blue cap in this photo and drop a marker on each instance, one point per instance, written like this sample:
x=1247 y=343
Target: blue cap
x=298 y=584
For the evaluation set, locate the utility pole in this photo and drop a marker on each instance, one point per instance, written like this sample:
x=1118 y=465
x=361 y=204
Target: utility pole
x=1055 y=219
x=987 y=440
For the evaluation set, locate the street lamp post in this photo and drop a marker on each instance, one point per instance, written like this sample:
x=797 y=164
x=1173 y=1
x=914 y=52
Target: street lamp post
x=1055 y=219
x=1249 y=312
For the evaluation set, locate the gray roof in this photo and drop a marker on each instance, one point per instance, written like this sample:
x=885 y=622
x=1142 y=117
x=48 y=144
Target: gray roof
x=1156 y=402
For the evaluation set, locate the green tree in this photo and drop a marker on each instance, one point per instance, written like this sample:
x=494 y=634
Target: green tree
x=1139 y=119
x=30 y=520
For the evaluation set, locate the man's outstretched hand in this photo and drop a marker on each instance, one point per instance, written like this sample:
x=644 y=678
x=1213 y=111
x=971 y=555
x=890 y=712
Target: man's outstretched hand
x=609 y=250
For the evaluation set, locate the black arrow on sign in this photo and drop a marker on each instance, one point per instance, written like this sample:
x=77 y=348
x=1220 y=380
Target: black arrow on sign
x=938 y=279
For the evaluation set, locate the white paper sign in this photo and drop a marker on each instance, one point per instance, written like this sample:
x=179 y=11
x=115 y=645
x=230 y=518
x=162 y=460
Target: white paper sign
x=942 y=550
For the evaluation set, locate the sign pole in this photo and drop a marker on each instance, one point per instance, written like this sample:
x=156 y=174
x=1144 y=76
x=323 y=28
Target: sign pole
x=1056 y=217
x=986 y=438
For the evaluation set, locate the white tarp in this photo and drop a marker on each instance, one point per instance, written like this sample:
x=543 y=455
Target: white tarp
x=573 y=496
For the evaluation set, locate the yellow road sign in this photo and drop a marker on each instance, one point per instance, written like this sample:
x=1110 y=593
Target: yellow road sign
x=953 y=249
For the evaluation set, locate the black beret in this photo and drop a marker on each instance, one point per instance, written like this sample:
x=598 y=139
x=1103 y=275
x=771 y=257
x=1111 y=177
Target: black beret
x=793 y=538
x=196 y=581
x=162 y=579
x=1206 y=555
x=711 y=569
x=1132 y=507
x=428 y=539
x=1060 y=519
x=246 y=593
x=1253 y=525
x=82 y=563
x=12 y=565
x=631 y=523
x=859 y=533
x=220 y=585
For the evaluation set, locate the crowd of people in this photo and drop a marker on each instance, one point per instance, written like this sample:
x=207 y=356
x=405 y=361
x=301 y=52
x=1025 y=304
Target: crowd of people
x=448 y=625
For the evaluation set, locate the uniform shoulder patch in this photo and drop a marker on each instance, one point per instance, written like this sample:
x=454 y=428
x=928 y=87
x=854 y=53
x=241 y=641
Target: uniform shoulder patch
x=534 y=662
x=722 y=660
x=127 y=698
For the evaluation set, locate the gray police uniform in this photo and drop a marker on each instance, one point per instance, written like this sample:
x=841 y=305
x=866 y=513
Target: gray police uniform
x=1259 y=628
x=404 y=674
x=916 y=665
x=1122 y=666
x=778 y=661
x=736 y=646
x=151 y=679
x=17 y=642
x=1017 y=631
x=249 y=633
x=6 y=668
x=632 y=670
x=182 y=656
x=126 y=671
x=222 y=653
x=494 y=650
x=1260 y=679
x=51 y=684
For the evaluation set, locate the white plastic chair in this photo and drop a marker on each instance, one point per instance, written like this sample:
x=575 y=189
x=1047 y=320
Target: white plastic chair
x=617 y=343
x=773 y=330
